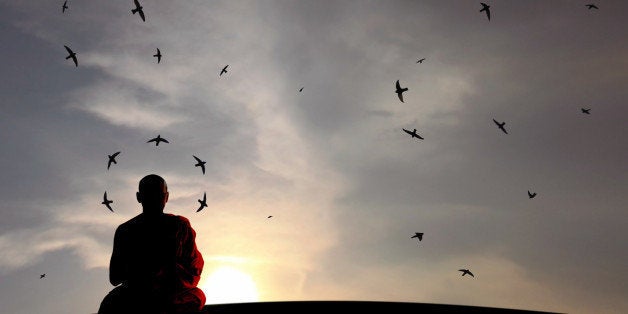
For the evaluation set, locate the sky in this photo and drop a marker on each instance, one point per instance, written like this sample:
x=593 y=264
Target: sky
x=345 y=186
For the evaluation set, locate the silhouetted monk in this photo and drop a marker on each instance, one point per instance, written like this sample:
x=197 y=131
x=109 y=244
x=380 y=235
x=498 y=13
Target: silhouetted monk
x=155 y=263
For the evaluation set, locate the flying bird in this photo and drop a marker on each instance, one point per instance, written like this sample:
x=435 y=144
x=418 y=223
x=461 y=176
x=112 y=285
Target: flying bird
x=500 y=125
x=269 y=217
x=200 y=163
x=418 y=235
x=466 y=271
x=72 y=55
x=139 y=9
x=42 y=276
x=400 y=91
x=203 y=202
x=485 y=8
x=224 y=70
x=106 y=202
x=421 y=60
x=158 y=55
x=112 y=159
x=300 y=89
x=157 y=140
x=531 y=195
x=65 y=6
x=592 y=6
x=586 y=111
x=413 y=133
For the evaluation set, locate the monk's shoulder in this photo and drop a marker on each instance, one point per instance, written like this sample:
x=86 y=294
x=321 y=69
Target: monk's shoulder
x=178 y=219
x=129 y=224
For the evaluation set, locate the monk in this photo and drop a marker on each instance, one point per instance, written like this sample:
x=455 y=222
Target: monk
x=155 y=263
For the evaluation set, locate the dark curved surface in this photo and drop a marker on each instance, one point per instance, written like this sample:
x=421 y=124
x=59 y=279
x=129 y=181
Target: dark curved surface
x=353 y=307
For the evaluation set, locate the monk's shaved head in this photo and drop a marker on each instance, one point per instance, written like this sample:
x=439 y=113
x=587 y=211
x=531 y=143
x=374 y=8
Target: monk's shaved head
x=153 y=194
x=152 y=183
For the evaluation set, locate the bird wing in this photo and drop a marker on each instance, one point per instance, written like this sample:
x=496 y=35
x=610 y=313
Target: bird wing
x=142 y=15
x=164 y=140
x=137 y=3
x=152 y=140
x=488 y=14
x=400 y=94
x=203 y=168
x=407 y=131
x=115 y=154
x=68 y=49
x=197 y=159
x=397 y=85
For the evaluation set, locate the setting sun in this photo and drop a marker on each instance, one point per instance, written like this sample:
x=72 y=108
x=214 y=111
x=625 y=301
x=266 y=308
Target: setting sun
x=229 y=285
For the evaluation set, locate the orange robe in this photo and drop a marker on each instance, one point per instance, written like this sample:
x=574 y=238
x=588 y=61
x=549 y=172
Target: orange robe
x=158 y=265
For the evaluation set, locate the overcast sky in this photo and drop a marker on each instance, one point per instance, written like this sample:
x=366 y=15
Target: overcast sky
x=346 y=187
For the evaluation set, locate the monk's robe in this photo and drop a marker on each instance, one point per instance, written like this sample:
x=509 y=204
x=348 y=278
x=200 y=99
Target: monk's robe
x=156 y=260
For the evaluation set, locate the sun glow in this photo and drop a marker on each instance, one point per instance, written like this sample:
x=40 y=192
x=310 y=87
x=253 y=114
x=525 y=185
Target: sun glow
x=229 y=285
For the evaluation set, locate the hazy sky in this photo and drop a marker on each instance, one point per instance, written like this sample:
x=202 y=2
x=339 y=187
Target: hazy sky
x=346 y=187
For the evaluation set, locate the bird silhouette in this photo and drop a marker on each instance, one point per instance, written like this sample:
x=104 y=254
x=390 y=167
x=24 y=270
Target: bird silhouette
x=485 y=8
x=300 y=89
x=421 y=60
x=199 y=163
x=269 y=217
x=400 y=91
x=586 y=111
x=158 y=55
x=139 y=9
x=531 y=195
x=592 y=6
x=157 y=140
x=413 y=133
x=465 y=272
x=418 y=235
x=106 y=202
x=203 y=202
x=112 y=159
x=72 y=55
x=224 y=70
x=64 y=7
x=500 y=125
x=42 y=276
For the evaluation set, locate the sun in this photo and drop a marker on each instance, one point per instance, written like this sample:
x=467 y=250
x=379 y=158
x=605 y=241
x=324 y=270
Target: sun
x=229 y=285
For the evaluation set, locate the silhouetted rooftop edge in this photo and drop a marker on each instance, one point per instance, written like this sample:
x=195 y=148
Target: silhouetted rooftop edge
x=362 y=306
